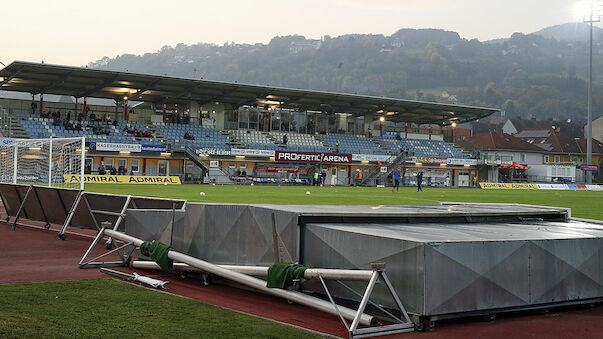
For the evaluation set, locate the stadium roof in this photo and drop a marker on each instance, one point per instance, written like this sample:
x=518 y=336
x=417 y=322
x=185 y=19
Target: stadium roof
x=84 y=82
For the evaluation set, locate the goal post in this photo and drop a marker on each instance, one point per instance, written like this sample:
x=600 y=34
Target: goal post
x=53 y=162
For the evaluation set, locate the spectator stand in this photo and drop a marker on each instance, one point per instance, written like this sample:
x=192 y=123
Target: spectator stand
x=422 y=148
x=200 y=137
x=297 y=142
x=352 y=144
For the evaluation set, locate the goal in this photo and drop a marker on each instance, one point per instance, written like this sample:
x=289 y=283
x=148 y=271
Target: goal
x=54 y=162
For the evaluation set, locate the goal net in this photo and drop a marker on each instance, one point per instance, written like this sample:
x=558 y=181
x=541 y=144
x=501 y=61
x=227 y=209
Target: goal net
x=54 y=162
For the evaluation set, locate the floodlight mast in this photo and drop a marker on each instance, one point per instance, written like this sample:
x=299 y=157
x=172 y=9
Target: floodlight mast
x=592 y=18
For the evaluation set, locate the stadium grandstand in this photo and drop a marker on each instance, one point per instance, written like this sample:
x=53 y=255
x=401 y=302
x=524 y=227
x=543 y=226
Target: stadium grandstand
x=299 y=142
x=422 y=148
x=183 y=135
x=236 y=125
x=353 y=144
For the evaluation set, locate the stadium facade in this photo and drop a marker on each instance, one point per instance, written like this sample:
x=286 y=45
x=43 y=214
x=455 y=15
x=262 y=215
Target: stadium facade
x=221 y=132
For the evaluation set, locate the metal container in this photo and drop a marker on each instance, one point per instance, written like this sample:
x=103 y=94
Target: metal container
x=439 y=269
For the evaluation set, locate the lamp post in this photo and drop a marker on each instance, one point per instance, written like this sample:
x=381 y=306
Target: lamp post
x=452 y=126
x=126 y=108
x=381 y=120
x=592 y=18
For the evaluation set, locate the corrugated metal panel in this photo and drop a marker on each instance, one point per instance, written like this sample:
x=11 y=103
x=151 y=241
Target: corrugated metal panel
x=469 y=267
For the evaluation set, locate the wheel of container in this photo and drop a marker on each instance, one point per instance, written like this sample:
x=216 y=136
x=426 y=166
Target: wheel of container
x=206 y=277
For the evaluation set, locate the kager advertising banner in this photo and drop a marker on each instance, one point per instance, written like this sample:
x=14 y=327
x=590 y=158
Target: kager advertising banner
x=114 y=147
x=312 y=157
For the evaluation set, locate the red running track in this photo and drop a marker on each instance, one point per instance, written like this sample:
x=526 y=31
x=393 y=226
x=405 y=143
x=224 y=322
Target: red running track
x=33 y=254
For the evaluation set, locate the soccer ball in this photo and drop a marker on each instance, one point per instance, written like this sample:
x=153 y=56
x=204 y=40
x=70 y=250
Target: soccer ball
x=307 y=192
x=251 y=184
x=214 y=184
x=165 y=183
x=202 y=194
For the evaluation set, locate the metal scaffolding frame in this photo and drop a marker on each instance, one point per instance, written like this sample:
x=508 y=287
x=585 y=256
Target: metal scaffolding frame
x=358 y=317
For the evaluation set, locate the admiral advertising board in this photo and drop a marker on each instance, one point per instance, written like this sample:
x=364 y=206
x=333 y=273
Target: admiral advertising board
x=121 y=179
x=531 y=186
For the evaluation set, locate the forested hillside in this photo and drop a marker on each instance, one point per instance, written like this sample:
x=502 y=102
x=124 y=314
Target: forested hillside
x=526 y=75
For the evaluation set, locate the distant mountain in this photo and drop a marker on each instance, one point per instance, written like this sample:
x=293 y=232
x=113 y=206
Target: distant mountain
x=537 y=75
x=569 y=32
x=573 y=31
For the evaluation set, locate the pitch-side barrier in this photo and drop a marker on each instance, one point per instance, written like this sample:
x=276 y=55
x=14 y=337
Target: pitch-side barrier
x=74 y=208
x=397 y=324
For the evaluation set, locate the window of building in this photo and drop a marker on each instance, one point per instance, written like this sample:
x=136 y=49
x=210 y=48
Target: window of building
x=243 y=165
x=109 y=162
x=506 y=158
x=121 y=162
x=546 y=158
x=135 y=165
x=557 y=158
x=88 y=164
x=522 y=157
x=232 y=165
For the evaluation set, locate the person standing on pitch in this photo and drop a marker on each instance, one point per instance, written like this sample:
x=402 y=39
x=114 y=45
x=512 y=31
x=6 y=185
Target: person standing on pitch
x=419 y=181
x=396 y=176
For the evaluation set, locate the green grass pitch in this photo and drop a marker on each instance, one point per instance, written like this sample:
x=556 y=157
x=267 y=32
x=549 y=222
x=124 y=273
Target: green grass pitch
x=105 y=308
x=116 y=309
x=584 y=204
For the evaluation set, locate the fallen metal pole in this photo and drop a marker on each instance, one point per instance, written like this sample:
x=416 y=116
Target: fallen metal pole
x=136 y=277
x=258 y=284
x=262 y=271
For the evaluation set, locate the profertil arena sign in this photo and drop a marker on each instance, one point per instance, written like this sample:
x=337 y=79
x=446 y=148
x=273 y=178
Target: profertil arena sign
x=311 y=157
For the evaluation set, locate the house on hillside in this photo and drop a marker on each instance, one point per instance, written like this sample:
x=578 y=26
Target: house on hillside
x=309 y=44
x=573 y=129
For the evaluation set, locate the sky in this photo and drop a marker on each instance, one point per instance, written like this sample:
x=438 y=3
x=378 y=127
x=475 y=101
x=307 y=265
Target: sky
x=76 y=32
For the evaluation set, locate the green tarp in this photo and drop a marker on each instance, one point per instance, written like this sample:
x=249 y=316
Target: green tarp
x=282 y=274
x=157 y=251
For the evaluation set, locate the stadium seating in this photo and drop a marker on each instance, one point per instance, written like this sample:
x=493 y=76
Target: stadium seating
x=422 y=148
x=34 y=126
x=44 y=128
x=354 y=144
x=121 y=125
x=254 y=139
x=299 y=142
x=204 y=137
x=38 y=127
